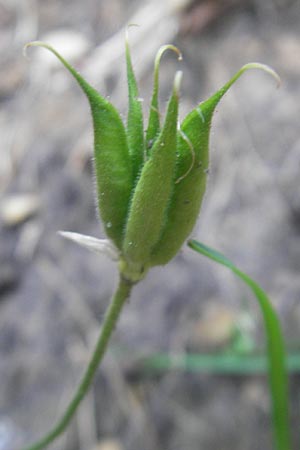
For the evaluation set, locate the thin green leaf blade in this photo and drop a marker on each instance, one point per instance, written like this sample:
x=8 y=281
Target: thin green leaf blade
x=275 y=345
x=218 y=363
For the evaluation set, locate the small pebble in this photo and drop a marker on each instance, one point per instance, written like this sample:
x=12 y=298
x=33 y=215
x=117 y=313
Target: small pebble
x=15 y=209
x=214 y=329
x=109 y=444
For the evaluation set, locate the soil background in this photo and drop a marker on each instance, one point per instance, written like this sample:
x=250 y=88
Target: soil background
x=53 y=294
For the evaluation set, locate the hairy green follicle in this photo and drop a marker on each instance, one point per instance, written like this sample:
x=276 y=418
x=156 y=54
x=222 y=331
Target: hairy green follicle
x=113 y=165
x=191 y=173
x=152 y=194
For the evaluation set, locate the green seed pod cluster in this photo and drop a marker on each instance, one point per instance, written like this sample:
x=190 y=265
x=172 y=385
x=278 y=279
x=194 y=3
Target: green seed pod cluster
x=150 y=185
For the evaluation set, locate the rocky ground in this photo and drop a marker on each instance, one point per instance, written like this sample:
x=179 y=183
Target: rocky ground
x=54 y=294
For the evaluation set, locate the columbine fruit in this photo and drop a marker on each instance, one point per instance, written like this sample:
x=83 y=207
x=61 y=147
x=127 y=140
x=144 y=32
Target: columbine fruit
x=150 y=185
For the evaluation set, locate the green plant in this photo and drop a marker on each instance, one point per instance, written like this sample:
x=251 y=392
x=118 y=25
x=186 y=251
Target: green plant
x=149 y=189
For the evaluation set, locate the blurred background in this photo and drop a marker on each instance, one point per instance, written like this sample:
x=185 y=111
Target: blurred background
x=53 y=294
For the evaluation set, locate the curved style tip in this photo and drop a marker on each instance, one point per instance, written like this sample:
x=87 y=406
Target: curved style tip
x=154 y=116
x=25 y=48
x=24 y=51
x=39 y=44
x=265 y=68
x=34 y=44
x=162 y=50
x=245 y=68
x=130 y=25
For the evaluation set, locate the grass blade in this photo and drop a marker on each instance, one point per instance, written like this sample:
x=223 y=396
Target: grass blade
x=275 y=346
x=215 y=364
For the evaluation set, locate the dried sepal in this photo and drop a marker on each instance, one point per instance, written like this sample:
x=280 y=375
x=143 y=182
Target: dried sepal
x=99 y=246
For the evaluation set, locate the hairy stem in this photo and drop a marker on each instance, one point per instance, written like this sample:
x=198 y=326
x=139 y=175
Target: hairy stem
x=121 y=295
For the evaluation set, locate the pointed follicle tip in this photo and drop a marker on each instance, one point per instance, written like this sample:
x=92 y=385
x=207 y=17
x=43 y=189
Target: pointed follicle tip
x=34 y=44
x=25 y=48
x=177 y=81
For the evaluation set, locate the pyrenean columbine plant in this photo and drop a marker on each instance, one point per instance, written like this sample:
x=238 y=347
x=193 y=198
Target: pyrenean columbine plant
x=150 y=187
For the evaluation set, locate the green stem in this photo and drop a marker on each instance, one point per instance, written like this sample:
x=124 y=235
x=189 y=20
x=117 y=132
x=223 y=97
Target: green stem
x=121 y=295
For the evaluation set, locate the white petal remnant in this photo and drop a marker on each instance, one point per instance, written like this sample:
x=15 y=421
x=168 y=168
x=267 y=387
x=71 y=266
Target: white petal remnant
x=100 y=246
